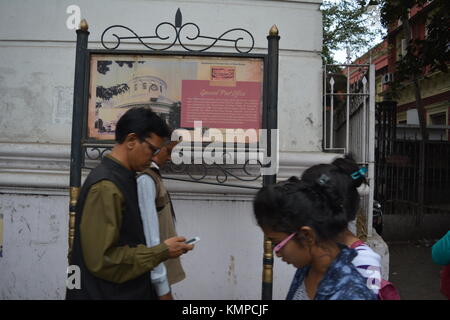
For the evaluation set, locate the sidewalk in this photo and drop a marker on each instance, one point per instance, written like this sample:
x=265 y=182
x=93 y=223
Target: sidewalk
x=413 y=272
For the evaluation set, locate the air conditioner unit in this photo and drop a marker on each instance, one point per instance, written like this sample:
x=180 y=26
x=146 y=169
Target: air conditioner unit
x=387 y=78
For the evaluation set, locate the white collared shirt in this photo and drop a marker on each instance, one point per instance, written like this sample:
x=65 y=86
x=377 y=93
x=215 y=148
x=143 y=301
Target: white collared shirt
x=149 y=215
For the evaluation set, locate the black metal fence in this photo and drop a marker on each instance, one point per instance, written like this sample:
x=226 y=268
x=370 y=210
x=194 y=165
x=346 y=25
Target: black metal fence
x=412 y=176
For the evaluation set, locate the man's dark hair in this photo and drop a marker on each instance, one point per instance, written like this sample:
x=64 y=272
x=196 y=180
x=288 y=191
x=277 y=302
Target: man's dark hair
x=141 y=121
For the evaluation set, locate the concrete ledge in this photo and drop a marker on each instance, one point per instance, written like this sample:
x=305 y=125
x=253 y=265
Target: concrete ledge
x=46 y=167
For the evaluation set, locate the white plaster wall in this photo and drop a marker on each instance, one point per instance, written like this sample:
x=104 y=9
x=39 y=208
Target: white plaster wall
x=37 y=56
x=34 y=260
x=226 y=263
x=46 y=20
x=300 y=102
x=36 y=93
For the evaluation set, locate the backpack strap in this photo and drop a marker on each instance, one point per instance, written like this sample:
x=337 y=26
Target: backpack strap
x=356 y=244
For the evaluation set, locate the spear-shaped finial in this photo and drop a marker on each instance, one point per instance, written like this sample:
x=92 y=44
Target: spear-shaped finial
x=178 y=18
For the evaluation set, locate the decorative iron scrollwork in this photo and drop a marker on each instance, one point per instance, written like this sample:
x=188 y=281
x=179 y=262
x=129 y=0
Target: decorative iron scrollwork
x=221 y=172
x=247 y=172
x=94 y=154
x=178 y=32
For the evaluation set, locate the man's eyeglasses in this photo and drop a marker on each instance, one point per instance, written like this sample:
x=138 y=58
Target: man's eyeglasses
x=154 y=149
x=279 y=246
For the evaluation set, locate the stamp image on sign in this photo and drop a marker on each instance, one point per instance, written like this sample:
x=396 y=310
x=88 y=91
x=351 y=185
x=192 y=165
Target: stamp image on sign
x=223 y=76
x=223 y=73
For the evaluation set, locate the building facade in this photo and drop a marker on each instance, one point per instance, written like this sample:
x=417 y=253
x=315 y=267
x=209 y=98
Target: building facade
x=36 y=98
x=434 y=85
x=398 y=139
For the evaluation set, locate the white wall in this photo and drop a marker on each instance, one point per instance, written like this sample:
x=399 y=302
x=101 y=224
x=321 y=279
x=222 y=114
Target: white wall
x=226 y=263
x=33 y=265
x=37 y=55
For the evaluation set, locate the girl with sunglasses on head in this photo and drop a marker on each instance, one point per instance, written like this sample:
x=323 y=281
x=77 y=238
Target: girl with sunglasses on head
x=346 y=177
x=303 y=220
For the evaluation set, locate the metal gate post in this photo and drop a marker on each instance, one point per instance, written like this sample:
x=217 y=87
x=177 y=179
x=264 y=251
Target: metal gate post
x=371 y=153
x=271 y=123
x=77 y=124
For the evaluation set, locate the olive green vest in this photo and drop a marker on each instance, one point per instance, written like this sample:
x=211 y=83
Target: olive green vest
x=175 y=272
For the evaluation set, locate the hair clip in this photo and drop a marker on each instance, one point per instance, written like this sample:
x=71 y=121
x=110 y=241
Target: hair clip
x=323 y=179
x=360 y=173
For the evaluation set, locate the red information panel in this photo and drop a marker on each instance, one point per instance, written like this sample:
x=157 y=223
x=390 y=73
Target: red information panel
x=237 y=106
x=222 y=92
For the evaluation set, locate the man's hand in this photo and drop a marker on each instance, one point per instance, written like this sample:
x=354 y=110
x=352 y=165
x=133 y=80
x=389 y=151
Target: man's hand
x=177 y=246
x=167 y=296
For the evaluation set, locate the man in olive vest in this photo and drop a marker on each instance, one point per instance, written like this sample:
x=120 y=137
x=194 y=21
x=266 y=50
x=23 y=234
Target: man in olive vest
x=109 y=246
x=158 y=218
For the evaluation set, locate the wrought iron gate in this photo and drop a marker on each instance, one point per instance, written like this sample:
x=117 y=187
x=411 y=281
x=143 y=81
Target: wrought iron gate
x=349 y=120
x=413 y=176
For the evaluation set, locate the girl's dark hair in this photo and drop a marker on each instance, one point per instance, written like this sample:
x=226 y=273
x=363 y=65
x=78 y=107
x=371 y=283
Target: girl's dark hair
x=348 y=166
x=289 y=205
x=339 y=172
x=142 y=121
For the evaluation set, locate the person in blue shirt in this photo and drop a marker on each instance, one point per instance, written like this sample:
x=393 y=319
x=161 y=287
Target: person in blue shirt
x=303 y=221
x=440 y=253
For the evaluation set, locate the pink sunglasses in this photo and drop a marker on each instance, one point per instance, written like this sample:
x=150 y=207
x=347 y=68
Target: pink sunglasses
x=283 y=243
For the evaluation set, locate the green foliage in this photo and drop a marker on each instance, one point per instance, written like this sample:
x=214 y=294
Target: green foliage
x=346 y=23
x=392 y=10
x=434 y=50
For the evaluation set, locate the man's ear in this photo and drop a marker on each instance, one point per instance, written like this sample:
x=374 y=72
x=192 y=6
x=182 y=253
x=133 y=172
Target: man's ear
x=131 y=140
x=307 y=235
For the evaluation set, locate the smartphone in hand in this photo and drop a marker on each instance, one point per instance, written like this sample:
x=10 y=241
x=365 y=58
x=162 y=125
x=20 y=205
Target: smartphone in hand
x=193 y=240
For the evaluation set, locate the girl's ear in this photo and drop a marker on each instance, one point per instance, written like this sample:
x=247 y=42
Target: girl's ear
x=307 y=235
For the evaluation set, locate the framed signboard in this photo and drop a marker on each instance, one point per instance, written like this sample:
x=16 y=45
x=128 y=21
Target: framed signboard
x=223 y=92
